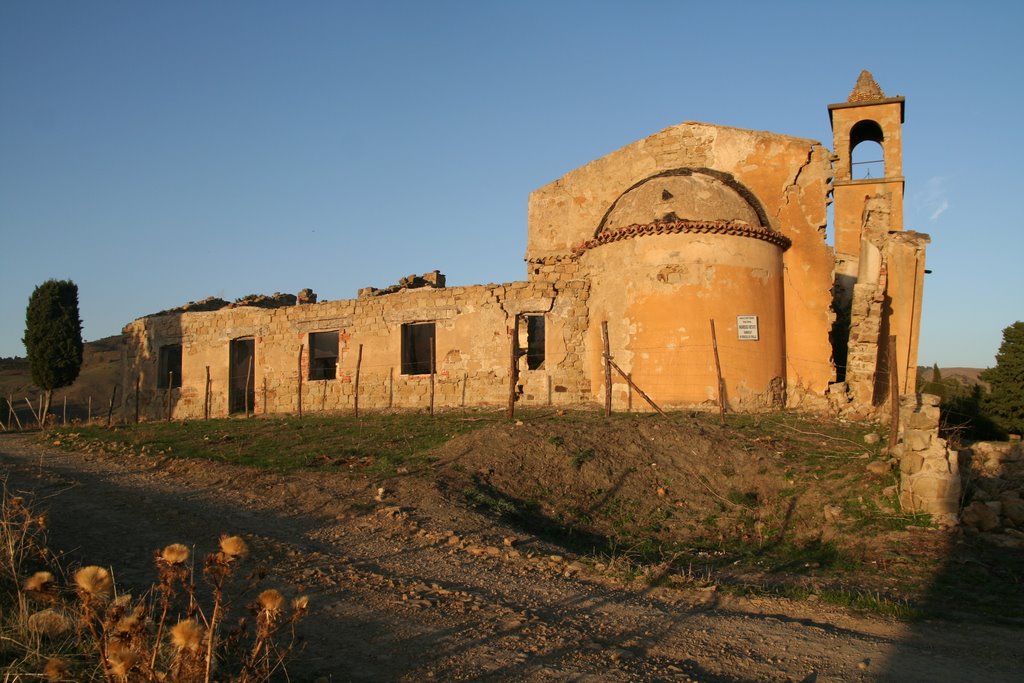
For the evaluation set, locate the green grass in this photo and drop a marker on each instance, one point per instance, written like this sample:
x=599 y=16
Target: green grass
x=380 y=442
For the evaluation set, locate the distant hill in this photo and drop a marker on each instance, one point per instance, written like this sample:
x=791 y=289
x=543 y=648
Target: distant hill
x=101 y=370
x=966 y=376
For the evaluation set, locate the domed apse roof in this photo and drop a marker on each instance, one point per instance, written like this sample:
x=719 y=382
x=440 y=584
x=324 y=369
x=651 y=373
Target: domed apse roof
x=684 y=201
x=691 y=197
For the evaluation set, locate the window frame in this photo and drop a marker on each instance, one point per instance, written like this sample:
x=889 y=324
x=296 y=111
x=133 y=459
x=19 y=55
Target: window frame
x=416 y=338
x=318 y=370
x=166 y=364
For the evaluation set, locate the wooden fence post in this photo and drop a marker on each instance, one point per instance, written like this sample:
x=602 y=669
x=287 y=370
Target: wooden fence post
x=300 y=380
x=894 y=395
x=110 y=408
x=34 y=413
x=629 y=381
x=432 y=376
x=138 y=381
x=391 y=388
x=88 y=419
x=245 y=393
x=718 y=373
x=170 y=390
x=12 y=411
x=64 y=418
x=206 y=396
x=607 y=369
x=355 y=391
x=264 y=395
x=513 y=367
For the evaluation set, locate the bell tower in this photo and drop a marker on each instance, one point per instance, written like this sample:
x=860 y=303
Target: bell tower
x=879 y=266
x=861 y=201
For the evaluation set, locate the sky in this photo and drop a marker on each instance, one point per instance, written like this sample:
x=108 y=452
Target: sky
x=158 y=153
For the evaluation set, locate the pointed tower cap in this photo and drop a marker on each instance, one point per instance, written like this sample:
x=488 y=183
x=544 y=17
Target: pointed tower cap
x=866 y=92
x=866 y=89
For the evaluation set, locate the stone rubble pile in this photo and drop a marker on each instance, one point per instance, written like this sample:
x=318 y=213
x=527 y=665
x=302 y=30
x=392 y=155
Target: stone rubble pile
x=993 y=474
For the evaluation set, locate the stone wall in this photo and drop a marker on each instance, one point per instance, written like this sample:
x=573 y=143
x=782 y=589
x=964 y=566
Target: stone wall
x=929 y=470
x=993 y=474
x=472 y=350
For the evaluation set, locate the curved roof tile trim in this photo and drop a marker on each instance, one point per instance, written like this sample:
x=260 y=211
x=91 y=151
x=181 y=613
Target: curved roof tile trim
x=683 y=226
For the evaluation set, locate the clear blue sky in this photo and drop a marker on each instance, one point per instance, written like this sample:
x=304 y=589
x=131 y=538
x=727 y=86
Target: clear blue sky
x=157 y=153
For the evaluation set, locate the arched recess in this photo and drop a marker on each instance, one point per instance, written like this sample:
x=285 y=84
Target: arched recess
x=725 y=178
x=867 y=153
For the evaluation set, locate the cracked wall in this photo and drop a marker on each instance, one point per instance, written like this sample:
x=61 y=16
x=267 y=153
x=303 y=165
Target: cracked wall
x=787 y=179
x=472 y=351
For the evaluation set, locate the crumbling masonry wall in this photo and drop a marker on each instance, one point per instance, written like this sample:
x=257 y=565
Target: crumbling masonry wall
x=472 y=350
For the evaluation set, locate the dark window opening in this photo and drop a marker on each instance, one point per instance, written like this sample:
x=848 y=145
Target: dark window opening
x=417 y=343
x=323 y=355
x=169 y=367
x=534 y=342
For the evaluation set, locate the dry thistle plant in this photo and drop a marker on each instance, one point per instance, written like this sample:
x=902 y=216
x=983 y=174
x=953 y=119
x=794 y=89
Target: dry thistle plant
x=86 y=631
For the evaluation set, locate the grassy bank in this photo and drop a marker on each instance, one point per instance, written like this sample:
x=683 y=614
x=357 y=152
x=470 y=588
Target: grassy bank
x=781 y=504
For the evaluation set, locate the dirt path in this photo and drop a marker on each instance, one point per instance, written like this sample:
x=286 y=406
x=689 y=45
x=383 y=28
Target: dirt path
x=413 y=588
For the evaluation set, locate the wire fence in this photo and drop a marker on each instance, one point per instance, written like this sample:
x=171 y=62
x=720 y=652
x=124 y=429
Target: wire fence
x=666 y=372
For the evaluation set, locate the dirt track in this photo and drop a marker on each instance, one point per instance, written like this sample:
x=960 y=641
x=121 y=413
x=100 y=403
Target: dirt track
x=412 y=587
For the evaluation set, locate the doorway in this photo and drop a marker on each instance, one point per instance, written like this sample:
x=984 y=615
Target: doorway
x=242 y=376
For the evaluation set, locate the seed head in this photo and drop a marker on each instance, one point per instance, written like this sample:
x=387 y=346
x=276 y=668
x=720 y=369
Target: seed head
x=271 y=600
x=94 y=582
x=56 y=670
x=39 y=582
x=175 y=553
x=130 y=623
x=187 y=635
x=301 y=603
x=233 y=547
x=121 y=662
x=48 y=623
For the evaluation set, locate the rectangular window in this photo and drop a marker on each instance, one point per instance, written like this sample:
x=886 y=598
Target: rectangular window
x=417 y=341
x=534 y=342
x=323 y=355
x=169 y=367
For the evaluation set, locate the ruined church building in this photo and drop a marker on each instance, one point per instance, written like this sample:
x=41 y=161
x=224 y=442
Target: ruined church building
x=694 y=224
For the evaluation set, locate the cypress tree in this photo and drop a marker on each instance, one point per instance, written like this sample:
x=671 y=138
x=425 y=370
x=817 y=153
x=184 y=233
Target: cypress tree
x=1005 y=402
x=53 y=337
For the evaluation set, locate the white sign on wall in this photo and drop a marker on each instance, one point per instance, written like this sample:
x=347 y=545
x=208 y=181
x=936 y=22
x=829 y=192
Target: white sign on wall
x=746 y=327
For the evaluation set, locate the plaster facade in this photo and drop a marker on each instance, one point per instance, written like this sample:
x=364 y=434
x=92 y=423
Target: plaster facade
x=695 y=226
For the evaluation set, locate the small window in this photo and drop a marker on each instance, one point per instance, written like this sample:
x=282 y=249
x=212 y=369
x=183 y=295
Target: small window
x=169 y=367
x=417 y=343
x=534 y=342
x=323 y=355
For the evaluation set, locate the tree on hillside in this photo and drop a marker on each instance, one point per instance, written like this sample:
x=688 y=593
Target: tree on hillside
x=936 y=386
x=1005 y=402
x=53 y=337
